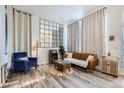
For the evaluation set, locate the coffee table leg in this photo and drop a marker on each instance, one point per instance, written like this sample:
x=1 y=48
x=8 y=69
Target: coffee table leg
x=54 y=67
x=62 y=71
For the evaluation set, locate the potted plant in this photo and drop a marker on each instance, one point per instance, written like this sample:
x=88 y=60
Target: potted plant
x=61 y=51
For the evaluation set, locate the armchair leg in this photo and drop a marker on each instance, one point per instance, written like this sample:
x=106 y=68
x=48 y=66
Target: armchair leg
x=24 y=72
x=35 y=67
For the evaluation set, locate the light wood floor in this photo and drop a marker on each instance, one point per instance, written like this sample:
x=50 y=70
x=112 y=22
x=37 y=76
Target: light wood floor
x=41 y=78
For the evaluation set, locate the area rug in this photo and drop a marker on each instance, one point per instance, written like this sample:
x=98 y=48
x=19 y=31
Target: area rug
x=55 y=72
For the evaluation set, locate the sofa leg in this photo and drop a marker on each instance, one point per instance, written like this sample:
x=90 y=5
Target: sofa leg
x=87 y=70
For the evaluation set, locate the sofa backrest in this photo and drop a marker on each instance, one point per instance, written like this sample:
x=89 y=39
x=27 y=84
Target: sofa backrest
x=82 y=56
x=17 y=55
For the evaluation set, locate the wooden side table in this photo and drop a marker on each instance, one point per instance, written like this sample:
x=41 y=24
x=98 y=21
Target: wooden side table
x=110 y=65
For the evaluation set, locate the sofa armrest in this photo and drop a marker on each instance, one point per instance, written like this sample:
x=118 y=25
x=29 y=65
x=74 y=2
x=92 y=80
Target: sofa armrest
x=92 y=64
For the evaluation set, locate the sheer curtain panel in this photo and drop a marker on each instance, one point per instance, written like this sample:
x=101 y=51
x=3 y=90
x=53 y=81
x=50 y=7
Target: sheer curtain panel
x=22 y=31
x=73 y=37
x=93 y=37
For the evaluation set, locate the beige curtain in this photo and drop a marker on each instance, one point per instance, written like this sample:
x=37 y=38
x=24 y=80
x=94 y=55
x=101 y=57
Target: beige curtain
x=73 y=37
x=93 y=38
x=22 y=31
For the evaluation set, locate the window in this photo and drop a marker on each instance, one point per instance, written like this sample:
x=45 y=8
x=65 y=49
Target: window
x=51 y=34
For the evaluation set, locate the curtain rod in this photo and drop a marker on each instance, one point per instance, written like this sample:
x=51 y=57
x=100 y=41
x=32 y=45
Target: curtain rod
x=22 y=11
x=88 y=14
x=92 y=12
x=73 y=21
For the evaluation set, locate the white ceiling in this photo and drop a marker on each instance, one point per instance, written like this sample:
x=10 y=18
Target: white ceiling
x=58 y=13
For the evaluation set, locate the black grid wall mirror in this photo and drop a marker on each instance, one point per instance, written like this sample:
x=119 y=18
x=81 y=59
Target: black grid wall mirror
x=51 y=34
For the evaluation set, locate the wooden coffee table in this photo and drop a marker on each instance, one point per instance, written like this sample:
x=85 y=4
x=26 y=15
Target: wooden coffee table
x=62 y=66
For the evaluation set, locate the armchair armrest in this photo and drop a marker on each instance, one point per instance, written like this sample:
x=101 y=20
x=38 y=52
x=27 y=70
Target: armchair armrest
x=20 y=64
x=20 y=61
x=32 y=59
x=92 y=64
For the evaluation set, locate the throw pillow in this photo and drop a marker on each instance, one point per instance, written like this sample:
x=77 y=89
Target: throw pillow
x=90 y=57
x=69 y=55
x=24 y=58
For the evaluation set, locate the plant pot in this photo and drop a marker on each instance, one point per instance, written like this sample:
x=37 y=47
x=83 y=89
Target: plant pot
x=62 y=57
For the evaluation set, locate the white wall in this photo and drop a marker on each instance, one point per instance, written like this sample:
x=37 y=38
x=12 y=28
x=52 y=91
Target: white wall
x=10 y=34
x=2 y=37
x=65 y=37
x=35 y=28
x=115 y=15
x=2 y=33
x=43 y=55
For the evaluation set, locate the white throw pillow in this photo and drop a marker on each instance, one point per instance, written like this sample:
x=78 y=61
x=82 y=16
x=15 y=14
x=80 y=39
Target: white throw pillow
x=69 y=55
x=24 y=58
x=90 y=57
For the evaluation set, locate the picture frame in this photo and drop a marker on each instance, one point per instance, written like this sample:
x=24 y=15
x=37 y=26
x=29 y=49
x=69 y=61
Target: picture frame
x=112 y=38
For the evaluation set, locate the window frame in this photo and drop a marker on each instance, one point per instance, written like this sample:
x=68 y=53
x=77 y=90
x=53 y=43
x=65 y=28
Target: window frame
x=52 y=34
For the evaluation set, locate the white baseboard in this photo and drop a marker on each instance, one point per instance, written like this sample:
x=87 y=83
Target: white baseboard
x=0 y=85
x=42 y=63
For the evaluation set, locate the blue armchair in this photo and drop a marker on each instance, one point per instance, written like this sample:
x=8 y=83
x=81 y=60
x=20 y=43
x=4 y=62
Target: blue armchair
x=23 y=65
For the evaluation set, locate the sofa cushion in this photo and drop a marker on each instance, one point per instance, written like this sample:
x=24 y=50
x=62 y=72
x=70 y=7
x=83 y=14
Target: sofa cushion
x=76 y=55
x=83 y=56
x=23 y=58
x=77 y=62
x=90 y=57
x=80 y=63
x=69 y=59
x=69 y=55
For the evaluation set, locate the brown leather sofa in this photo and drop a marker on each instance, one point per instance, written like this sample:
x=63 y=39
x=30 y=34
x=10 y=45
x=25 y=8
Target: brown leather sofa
x=83 y=56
